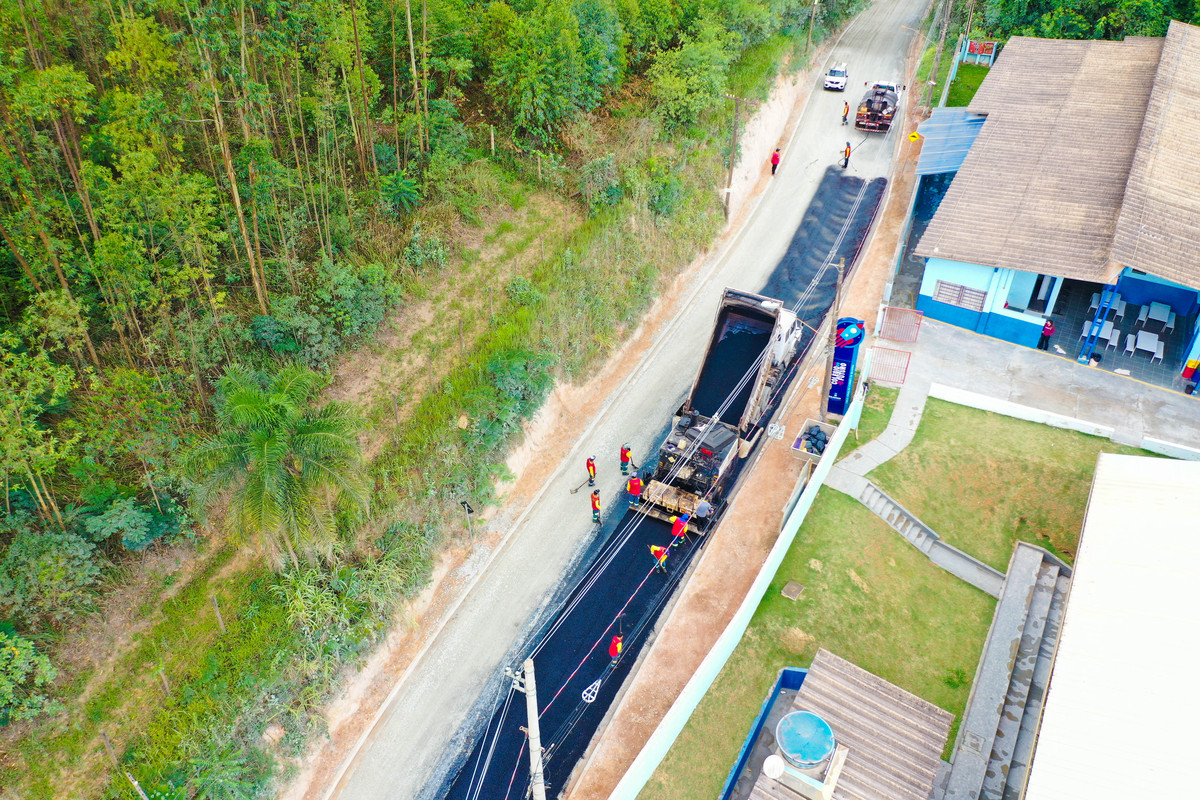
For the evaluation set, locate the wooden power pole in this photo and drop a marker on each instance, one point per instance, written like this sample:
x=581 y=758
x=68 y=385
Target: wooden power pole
x=525 y=683
x=834 y=310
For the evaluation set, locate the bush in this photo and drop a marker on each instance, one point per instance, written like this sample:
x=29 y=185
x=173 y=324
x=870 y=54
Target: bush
x=24 y=674
x=600 y=183
x=137 y=524
x=269 y=334
x=522 y=292
x=424 y=252
x=690 y=79
x=44 y=573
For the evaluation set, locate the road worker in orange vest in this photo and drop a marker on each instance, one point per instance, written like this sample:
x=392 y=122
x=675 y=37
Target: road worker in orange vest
x=626 y=457
x=596 y=506
x=615 y=647
x=660 y=557
x=679 y=527
x=634 y=487
x=591 y=468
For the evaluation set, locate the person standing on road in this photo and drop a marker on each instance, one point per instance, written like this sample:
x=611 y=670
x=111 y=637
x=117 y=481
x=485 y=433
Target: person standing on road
x=679 y=527
x=660 y=557
x=846 y=156
x=596 y=506
x=634 y=487
x=1047 y=332
x=845 y=111
x=626 y=457
x=775 y=161
x=615 y=647
x=591 y=468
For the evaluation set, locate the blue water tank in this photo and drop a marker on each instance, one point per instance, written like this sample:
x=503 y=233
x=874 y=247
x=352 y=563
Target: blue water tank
x=804 y=739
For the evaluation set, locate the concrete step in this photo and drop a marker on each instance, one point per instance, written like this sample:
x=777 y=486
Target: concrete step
x=1022 y=757
x=977 y=733
x=1019 y=684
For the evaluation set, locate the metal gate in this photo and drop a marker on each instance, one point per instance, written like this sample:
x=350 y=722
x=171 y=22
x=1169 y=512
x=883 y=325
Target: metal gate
x=901 y=324
x=888 y=365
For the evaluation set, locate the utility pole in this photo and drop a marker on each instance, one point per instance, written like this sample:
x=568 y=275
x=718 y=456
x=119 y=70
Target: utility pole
x=467 y=507
x=812 y=20
x=526 y=684
x=834 y=311
x=732 y=151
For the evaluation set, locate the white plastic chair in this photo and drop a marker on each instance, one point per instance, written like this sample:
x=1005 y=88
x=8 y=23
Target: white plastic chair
x=1130 y=342
x=1119 y=305
x=1158 y=356
x=1114 y=339
x=1095 y=302
x=1143 y=315
x=1170 y=326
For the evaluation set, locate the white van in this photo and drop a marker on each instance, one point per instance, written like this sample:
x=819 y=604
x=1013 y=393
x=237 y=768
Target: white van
x=836 y=78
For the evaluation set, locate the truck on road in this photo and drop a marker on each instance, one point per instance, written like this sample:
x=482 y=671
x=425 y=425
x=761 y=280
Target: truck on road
x=754 y=343
x=878 y=107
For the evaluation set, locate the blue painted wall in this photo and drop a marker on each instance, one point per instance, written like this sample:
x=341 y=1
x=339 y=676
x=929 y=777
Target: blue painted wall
x=1011 y=329
x=962 y=317
x=1143 y=289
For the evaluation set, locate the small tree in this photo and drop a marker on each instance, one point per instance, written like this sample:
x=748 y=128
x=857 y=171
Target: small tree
x=288 y=462
x=24 y=675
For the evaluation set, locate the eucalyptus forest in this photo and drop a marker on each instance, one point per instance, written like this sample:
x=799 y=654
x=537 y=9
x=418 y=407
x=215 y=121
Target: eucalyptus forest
x=213 y=214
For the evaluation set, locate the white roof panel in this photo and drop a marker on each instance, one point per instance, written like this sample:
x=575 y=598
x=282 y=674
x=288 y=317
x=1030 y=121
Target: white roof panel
x=1124 y=699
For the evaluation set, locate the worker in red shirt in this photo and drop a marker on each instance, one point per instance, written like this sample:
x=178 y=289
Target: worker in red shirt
x=634 y=487
x=660 y=557
x=615 y=647
x=679 y=526
x=626 y=457
x=596 y=506
x=775 y=161
x=845 y=112
x=846 y=156
x=591 y=468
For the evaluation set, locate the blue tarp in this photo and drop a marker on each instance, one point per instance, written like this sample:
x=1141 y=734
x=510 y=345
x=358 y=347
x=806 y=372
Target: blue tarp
x=949 y=134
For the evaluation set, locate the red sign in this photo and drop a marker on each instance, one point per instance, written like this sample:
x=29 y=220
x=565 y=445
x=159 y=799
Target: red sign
x=981 y=48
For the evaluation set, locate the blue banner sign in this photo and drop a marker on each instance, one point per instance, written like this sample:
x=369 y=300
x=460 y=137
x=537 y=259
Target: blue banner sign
x=845 y=356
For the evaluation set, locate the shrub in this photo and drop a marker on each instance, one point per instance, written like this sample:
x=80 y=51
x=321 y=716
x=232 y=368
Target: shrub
x=522 y=292
x=24 y=674
x=424 y=252
x=137 y=524
x=600 y=183
x=270 y=334
x=44 y=573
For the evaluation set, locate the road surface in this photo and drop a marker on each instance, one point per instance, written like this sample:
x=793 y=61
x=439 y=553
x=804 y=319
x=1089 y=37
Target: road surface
x=414 y=744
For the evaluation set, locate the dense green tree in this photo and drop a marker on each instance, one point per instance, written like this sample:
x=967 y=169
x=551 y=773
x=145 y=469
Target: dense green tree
x=289 y=463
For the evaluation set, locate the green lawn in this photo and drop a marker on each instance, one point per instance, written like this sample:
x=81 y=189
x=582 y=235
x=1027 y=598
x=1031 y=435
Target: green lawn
x=985 y=481
x=966 y=83
x=877 y=410
x=869 y=597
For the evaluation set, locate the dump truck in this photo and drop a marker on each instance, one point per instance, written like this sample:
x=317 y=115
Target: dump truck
x=878 y=107
x=755 y=342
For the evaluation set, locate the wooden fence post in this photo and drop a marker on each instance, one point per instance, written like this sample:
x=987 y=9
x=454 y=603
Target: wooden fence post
x=217 y=608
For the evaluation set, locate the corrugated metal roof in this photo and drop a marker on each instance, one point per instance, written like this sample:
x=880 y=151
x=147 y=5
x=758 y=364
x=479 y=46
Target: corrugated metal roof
x=1157 y=231
x=894 y=738
x=1120 y=715
x=949 y=134
x=1041 y=188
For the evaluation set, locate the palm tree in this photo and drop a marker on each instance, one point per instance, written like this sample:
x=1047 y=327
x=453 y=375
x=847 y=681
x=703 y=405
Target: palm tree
x=288 y=461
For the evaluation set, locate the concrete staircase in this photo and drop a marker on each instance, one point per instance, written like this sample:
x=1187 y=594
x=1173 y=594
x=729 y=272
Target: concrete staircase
x=996 y=739
x=925 y=539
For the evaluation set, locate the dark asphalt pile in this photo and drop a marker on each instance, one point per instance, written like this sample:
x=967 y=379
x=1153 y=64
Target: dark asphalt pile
x=834 y=227
x=617 y=589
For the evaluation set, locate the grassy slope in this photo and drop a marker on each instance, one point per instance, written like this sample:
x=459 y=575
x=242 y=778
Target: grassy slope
x=984 y=481
x=877 y=411
x=869 y=597
x=966 y=83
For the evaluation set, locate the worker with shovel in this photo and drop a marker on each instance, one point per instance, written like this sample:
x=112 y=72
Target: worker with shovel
x=626 y=458
x=615 y=647
x=634 y=487
x=679 y=527
x=596 y=506
x=660 y=557
x=591 y=468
